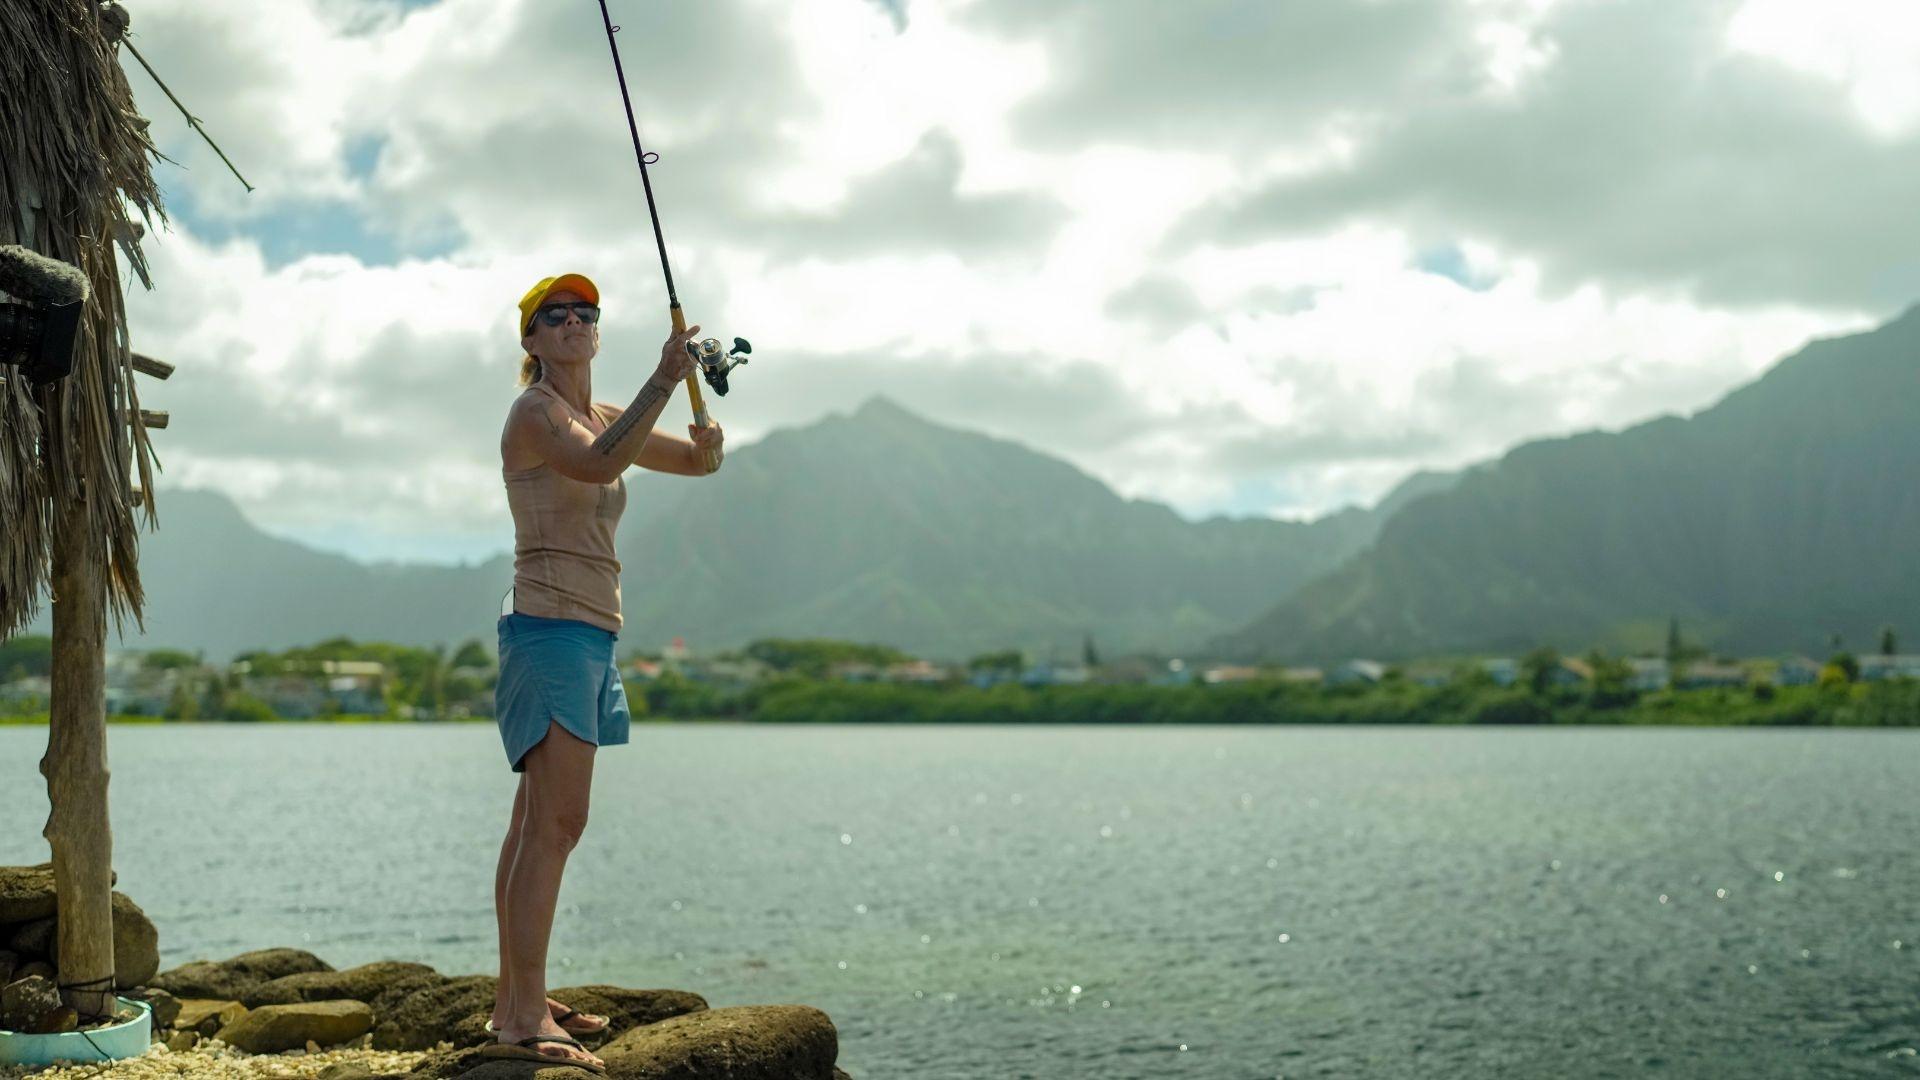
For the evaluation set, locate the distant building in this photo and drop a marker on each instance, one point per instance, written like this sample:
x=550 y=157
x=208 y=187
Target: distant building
x=1504 y=670
x=727 y=673
x=1355 y=672
x=1228 y=673
x=1174 y=674
x=915 y=671
x=1796 y=671
x=132 y=690
x=1046 y=674
x=1127 y=670
x=1570 y=671
x=1139 y=669
x=1878 y=668
x=1429 y=675
x=854 y=671
x=28 y=694
x=676 y=650
x=1648 y=673
x=294 y=697
x=1301 y=675
x=1701 y=675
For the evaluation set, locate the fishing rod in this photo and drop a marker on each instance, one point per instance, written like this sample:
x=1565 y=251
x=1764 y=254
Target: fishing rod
x=706 y=354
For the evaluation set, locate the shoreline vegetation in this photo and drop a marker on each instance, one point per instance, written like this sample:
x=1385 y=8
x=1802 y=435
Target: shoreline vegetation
x=1885 y=704
x=799 y=681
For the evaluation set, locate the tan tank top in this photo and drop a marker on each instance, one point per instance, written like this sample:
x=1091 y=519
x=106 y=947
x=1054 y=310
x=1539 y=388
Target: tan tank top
x=563 y=561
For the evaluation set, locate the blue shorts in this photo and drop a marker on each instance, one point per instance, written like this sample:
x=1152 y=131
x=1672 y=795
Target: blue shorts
x=557 y=669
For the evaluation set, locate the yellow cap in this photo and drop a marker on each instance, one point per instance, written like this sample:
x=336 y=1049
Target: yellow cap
x=537 y=295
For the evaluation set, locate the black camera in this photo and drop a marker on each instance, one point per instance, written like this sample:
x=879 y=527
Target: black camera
x=40 y=304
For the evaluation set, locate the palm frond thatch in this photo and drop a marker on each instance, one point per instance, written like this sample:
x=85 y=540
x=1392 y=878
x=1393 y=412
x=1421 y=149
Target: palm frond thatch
x=74 y=172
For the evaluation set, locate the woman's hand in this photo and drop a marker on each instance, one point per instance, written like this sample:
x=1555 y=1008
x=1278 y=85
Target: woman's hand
x=705 y=439
x=676 y=363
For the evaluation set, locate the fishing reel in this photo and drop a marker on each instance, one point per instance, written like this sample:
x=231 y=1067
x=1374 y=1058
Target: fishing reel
x=713 y=365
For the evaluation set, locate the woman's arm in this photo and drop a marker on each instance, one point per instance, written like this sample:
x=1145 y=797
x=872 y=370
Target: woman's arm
x=663 y=452
x=545 y=427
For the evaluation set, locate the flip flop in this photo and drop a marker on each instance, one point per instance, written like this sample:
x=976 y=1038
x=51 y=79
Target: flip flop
x=523 y=1051
x=572 y=1012
x=561 y=1019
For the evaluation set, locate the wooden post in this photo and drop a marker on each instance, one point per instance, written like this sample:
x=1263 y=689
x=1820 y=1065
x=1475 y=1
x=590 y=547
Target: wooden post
x=75 y=766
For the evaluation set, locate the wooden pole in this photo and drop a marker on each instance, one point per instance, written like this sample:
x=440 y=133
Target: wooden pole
x=75 y=766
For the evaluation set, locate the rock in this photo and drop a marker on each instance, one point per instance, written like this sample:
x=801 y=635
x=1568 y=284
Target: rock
x=28 y=1002
x=8 y=961
x=166 y=1007
x=744 y=1042
x=229 y=979
x=64 y=1018
x=840 y=1074
x=26 y=892
x=422 y=1017
x=405 y=986
x=183 y=1041
x=34 y=938
x=345 y=1070
x=33 y=968
x=207 y=1015
x=623 y=1008
x=528 y=1070
x=467 y=1064
x=270 y=1029
x=362 y=984
x=136 y=943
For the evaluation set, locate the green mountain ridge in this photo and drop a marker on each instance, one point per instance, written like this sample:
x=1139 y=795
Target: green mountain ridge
x=885 y=526
x=1768 y=522
x=877 y=526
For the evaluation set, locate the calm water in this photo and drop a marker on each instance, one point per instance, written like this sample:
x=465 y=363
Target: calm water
x=1103 y=902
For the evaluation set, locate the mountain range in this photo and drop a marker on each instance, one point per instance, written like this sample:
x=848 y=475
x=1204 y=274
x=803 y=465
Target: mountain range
x=1776 y=520
x=877 y=526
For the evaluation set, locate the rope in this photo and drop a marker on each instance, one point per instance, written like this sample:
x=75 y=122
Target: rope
x=192 y=120
x=92 y=986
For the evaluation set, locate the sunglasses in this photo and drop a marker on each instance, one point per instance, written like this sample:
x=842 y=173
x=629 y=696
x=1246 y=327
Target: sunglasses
x=555 y=314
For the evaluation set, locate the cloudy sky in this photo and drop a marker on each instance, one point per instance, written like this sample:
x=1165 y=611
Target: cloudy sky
x=1249 y=258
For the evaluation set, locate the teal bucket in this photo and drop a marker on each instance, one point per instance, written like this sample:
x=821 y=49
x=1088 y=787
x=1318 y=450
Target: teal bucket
x=129 y=1038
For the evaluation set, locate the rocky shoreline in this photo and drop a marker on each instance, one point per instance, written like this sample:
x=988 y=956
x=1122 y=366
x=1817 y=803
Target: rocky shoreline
x=284 y=1012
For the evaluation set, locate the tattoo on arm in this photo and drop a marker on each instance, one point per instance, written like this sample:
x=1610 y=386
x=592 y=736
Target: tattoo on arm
x=650 y=395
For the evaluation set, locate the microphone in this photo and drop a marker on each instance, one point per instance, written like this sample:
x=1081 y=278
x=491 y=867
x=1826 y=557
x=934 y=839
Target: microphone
x=28 y=275
x=39 y=322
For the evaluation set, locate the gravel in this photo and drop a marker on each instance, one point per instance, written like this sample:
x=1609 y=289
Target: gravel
x=215 y=1060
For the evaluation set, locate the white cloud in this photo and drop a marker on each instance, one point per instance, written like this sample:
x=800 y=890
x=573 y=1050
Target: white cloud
x=1869 y=47
x=359 y=405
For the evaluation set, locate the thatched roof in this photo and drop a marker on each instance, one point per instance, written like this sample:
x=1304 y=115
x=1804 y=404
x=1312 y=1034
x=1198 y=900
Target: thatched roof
x=74 y=173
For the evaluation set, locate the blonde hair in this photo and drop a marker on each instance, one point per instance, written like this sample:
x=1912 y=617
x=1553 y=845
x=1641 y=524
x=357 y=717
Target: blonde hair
x=529 y=370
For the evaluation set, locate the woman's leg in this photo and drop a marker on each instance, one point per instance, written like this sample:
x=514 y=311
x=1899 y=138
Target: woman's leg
x=558 y=781
x=581 y=1022
x=507 y=851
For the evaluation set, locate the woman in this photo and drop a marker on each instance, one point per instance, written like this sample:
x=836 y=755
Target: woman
x=560 y=694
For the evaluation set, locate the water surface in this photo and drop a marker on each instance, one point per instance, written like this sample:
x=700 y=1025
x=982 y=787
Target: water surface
x=1105 y=902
